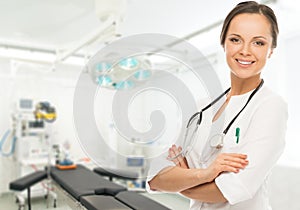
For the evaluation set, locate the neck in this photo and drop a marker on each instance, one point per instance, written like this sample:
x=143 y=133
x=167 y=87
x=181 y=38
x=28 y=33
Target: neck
x=241 y=86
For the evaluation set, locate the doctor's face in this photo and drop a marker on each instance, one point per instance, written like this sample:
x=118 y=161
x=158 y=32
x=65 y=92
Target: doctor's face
x=248 y=44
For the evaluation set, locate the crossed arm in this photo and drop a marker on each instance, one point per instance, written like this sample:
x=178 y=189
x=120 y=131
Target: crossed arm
x=208 y=192
x=195 y=183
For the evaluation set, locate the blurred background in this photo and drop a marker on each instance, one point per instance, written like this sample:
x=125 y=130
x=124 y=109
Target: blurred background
x=45 y=46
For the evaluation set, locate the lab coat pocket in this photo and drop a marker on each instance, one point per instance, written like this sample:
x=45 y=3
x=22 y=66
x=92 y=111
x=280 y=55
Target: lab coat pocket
x=232 y=145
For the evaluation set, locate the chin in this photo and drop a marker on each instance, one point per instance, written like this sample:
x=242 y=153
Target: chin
x=245 y=76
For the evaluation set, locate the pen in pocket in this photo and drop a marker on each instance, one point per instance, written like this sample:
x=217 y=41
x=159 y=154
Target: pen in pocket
x=237 y=134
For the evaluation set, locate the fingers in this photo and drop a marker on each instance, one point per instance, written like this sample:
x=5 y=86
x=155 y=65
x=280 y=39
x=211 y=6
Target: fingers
x=175 y=154
x=234 y=158
x=179 y=150
x=231 y=166
x=229 y=162
x=172 y=154
x=232 y=162
x=233 y=155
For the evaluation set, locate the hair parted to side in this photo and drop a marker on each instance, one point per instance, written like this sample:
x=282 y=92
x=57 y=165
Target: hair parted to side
x=253 y=8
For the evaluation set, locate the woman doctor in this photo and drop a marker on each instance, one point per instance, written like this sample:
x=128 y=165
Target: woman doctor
x=248 y=36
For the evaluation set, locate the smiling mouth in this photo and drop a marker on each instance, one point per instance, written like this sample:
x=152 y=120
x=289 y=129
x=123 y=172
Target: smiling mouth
x=244 y=62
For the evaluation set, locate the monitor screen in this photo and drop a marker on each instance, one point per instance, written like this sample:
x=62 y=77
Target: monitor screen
x=25 y=104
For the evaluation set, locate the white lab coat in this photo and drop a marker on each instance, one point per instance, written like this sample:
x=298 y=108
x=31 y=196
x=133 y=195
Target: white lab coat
x=262 y=137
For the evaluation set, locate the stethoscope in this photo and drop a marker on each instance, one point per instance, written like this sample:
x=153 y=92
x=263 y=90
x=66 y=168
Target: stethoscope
x=217 y=140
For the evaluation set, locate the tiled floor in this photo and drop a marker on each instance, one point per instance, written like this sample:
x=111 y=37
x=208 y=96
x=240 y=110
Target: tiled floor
x=8 y=202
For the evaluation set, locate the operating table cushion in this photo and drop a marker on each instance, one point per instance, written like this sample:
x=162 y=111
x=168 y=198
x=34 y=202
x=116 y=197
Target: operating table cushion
x=82 y=181
x=108 y=191
x=102 y=202
x=28 y=180
x=138 y=201
x=117 y=173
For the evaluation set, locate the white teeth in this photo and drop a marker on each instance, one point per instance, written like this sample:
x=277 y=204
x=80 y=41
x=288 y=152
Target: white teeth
x=245 y=62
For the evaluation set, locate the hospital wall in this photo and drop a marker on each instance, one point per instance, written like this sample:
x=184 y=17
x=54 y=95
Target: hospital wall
x=41 y=82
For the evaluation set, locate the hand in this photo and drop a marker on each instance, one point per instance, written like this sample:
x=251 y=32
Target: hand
x=230 y=162
x=176 y=157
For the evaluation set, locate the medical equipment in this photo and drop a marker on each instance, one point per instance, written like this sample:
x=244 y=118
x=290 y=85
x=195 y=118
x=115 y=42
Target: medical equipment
x=8 y=136
x=62 y=157
x=25 y=105
x=44 y=111
x=33 y=149
x=125 y=74
x=30 y=130
x=216 y=141
x=137 y=164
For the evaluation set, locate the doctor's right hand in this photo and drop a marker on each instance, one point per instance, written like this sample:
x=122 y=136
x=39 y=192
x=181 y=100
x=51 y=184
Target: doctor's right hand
x=176 y=157
x=226 y=162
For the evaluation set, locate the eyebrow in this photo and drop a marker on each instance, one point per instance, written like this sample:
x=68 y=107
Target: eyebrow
x=256 y=37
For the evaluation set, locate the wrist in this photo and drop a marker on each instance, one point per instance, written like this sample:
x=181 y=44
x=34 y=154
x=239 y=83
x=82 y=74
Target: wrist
x=204 y=176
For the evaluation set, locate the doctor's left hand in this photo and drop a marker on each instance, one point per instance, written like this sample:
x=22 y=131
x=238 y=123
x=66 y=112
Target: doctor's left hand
x=176 y=157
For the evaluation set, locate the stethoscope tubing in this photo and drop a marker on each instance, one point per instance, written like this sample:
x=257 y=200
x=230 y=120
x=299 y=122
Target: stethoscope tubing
x=193 y=117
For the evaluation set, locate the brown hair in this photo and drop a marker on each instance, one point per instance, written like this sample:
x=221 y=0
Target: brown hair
x=254 y=8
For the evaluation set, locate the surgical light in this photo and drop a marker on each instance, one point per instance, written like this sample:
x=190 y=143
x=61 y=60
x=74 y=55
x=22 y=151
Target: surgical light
x=142 y=74
x=104 y=80
x=104 y=66
x=125 y=74
x=124 y=85
x=129 y=63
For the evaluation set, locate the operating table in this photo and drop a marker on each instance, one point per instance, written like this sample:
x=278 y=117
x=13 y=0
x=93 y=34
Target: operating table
x=89 y=190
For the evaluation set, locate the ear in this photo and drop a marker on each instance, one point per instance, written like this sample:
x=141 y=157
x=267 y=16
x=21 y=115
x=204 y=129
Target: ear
x=270 y=53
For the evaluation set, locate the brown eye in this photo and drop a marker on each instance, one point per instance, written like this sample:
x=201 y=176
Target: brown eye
x=259 y=43
x=234 y=40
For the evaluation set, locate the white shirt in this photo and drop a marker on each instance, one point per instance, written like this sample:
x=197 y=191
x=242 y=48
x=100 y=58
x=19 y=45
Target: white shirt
x=262 y=137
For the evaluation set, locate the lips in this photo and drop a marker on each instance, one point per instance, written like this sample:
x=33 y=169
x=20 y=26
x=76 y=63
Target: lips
x=244 y=62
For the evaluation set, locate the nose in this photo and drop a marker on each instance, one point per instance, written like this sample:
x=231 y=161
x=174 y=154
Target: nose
x=245 y=49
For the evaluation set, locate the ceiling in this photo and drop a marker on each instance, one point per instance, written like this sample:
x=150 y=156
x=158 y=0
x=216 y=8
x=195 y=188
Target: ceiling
x=66 y=27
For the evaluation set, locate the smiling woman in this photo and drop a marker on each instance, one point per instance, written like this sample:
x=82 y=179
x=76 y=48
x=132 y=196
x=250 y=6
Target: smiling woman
x=248 y=46
x=259 y=116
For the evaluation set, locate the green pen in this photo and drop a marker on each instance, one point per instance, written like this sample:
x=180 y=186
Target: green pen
x=237 y=134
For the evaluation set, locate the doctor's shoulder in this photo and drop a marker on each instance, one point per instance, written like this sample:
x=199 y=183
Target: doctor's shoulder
x=271 y=102
x=202 y=102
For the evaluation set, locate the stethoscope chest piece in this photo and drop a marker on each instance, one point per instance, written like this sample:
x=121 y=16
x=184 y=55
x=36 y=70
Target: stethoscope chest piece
x=217 y=140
